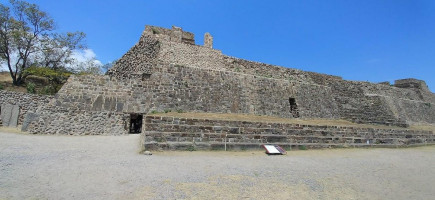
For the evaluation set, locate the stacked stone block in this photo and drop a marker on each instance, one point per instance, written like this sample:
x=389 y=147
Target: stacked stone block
x=360 y=102
x=173 y=133
x=165 y=70
x=23 y=102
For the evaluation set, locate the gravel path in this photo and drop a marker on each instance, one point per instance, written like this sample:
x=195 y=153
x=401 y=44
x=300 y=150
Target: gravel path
x=109 y=167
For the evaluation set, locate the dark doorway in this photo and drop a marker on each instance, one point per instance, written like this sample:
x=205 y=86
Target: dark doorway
x=146 y=76
x=294 y=107
x=136 y=123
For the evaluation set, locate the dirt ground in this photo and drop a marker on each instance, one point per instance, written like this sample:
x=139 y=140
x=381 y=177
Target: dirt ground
x=6 y=83
x=110 y=167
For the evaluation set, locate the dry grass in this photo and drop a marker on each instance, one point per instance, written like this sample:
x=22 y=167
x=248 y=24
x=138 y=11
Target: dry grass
x=425 y=127
x=6 y=81
x=5 y=77
x=256 y=118
x=10 y=129
x=248 y=187
x=270 y=119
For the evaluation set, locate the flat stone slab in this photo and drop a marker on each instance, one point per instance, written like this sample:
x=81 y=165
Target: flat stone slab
x=30 y=117
x=6 y=110
x=14 y=116
x=9 y=115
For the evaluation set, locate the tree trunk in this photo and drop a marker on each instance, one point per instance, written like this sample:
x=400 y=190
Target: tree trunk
x=13 y=75
x=20 y=79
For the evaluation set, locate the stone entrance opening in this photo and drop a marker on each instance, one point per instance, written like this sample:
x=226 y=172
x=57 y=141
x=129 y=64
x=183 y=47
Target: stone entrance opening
x=294 y=107
x=146 y=76
x=135 y=123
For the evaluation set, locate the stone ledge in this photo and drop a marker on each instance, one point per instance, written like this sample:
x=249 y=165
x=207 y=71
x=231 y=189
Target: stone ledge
x=203 y=134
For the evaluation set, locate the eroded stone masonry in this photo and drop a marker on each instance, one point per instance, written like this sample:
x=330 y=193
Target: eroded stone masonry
x=166 y=70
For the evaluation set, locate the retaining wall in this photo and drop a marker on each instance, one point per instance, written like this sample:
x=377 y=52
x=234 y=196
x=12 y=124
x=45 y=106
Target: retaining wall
x=26 y=102
x=172 y=133
x=174 y=87
x=71 y=122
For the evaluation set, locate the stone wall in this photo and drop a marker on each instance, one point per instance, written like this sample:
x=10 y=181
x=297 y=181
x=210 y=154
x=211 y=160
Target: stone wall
x=208 y=40
x=176 y=34
x=174 y=87
x=361 y=102
x=366 y=102
x=158 y=46
x=138 y=60
x=411 y=83
x=172 y=133
x=165 y=71
x=55 y=120
x=26 y=102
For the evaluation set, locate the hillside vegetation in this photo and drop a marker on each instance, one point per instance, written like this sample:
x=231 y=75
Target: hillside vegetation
x=33 y=84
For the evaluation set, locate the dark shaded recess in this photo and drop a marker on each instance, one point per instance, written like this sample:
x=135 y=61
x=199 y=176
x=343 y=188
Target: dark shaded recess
x=294 y=107
x=135 y=123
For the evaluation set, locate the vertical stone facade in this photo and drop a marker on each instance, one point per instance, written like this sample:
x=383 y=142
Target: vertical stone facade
x=208 y=41
x=24 y=102
x=361 y=102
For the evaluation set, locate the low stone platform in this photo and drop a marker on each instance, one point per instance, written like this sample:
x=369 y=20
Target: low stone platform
x=178 y=133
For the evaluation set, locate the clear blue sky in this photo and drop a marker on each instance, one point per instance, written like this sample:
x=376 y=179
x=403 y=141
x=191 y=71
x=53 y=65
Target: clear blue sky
x=366 y=40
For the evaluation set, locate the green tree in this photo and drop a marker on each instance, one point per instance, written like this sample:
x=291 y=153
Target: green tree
x=105 y=68
x=56 y=78
x=27 y=39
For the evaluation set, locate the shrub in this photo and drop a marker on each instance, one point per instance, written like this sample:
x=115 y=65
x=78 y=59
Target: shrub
x=31 y=88
x=191 y=148
x=302 y=147
x=56 y=78
x=168 y=110
x=48 y=90
x=1 y=87
x=154 y=112
x=50 y=74
x=180 y=111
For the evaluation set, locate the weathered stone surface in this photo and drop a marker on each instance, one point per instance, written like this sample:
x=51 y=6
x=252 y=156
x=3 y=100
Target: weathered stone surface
x=13 y=122
x=166 y=71
x=199 y=134
x=25 y=102
x=98 y=103
x=6 y=114
x=30 y=117
x=10 y=114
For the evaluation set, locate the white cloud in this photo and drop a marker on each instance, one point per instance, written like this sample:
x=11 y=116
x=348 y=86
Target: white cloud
x=4 y=64
x=81 y=58
x=85 y=56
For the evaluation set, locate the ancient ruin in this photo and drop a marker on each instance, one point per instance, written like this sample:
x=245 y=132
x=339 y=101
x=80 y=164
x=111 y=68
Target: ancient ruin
x=166 y=71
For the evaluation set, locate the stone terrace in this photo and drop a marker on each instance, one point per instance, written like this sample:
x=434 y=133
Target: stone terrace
x=166 y=132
